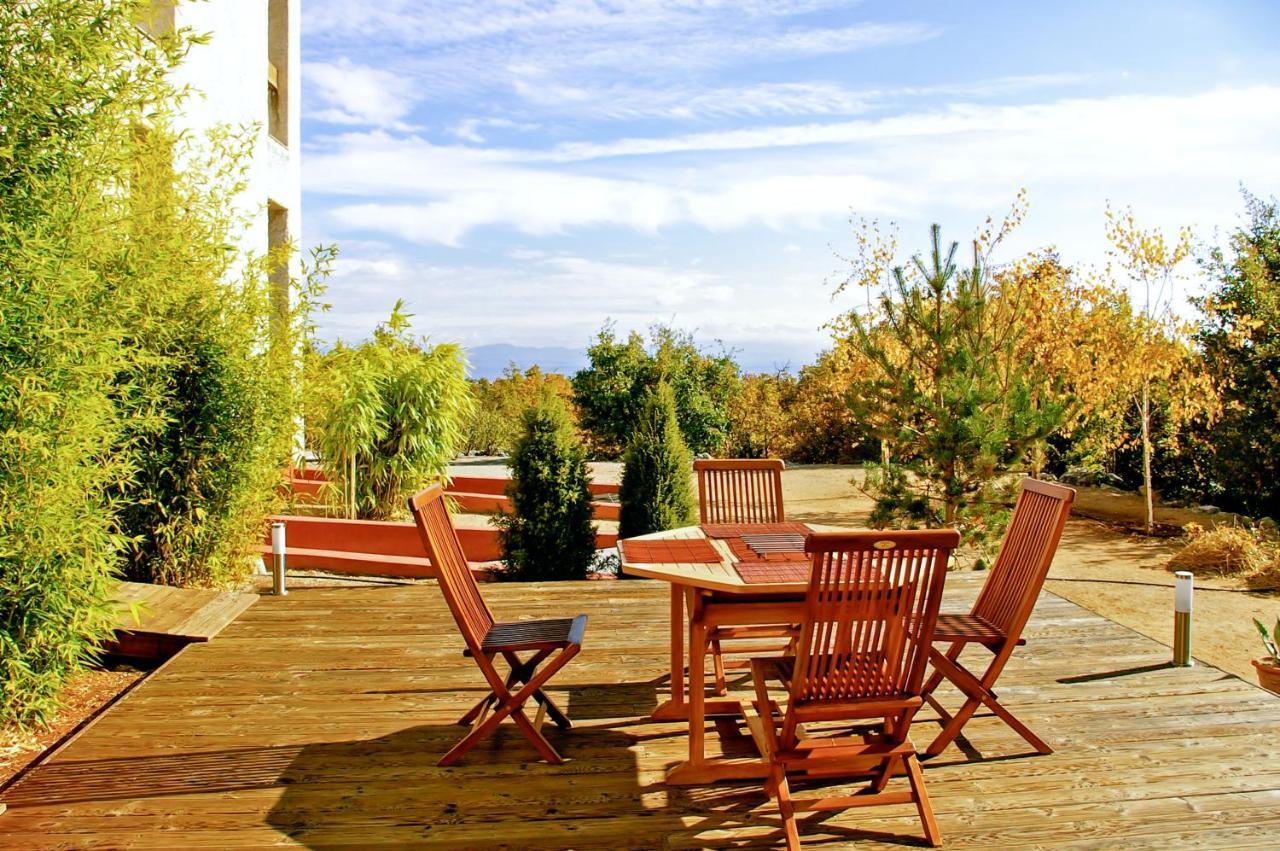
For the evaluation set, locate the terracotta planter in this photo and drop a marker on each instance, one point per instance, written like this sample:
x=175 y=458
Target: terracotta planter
x=1268 y=675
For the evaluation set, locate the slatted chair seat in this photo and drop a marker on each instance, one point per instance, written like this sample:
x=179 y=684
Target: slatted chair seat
x=975 y=628
x=743 y=492
x=550 y=643
x=870 y=612
x=535 y=635
x=1000 y=613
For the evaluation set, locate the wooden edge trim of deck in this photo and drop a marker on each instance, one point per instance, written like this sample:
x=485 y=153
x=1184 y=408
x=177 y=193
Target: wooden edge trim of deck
x=80 y=729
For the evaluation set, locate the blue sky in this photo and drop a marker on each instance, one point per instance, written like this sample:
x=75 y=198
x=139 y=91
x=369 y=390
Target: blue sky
x=518 y=172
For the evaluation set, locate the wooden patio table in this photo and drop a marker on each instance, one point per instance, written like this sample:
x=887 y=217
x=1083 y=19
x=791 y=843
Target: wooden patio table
x=714 y=595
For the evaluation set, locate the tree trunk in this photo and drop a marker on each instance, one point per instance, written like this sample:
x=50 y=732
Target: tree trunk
x=948 y=498
x=1146 y=455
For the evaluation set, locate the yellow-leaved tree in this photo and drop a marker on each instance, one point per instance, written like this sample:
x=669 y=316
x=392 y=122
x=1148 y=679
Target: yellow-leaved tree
x=1159 y=367
x=1078 y=333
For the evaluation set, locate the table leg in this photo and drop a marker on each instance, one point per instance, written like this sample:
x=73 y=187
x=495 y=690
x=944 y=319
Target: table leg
x=675 y=708
x=697 y=769
x=697 y=688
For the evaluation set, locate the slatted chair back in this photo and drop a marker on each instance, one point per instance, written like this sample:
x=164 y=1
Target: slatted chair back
x=740 y=490
x=456 y=581
x=869 y=617
x=1011 y=589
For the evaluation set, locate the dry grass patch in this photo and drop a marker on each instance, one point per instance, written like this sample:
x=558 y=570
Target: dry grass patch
x=1242 y=552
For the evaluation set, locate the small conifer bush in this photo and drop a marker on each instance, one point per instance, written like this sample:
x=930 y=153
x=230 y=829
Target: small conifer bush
x=549 y=534
x=657 y=490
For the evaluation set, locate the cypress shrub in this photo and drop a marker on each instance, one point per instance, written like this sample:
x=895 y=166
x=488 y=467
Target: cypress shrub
x=549 y=534
x=657 y=487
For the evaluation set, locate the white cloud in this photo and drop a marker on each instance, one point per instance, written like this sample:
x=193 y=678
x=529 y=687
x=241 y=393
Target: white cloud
x=588 y=56
x=579 y=292
x=435 y=22
x=966 y=157
x=345 y=93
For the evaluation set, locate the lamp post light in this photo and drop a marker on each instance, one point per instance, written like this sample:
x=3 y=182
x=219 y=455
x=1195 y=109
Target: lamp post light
x=1182 y=591
x=277 y=559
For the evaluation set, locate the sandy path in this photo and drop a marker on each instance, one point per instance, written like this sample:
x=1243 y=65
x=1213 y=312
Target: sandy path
x=1119 y=576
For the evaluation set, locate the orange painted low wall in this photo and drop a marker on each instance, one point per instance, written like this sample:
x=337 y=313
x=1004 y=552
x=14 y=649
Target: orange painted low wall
x=393 y=548
x=486 y=503
x=498 y=485
x=471 y=494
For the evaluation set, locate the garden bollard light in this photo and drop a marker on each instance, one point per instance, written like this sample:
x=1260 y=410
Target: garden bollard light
x=1182 y=588
x=277 y=560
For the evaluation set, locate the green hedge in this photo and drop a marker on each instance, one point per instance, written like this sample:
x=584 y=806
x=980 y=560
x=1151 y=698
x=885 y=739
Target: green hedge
x=147 y=375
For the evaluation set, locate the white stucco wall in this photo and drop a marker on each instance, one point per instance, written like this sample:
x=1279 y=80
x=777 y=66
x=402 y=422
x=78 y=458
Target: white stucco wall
x=229 y=79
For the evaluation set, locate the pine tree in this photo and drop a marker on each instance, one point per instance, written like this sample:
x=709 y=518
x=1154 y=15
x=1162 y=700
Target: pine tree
x=549 y=534
x=657 y=491
x=948 y=391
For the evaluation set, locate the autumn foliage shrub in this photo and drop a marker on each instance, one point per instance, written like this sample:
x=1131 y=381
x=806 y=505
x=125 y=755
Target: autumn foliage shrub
x=495 y=422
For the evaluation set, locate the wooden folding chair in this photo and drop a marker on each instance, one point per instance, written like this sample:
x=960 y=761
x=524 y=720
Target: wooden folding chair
x=740 y=490
x=746 y=491
x=487 y=640
x=869 y=617
x=1001 y=611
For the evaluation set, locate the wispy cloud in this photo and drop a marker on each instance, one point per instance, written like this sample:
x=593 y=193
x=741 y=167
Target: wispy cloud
x=964 y=155
x=342 y=92
x=580 y=291
x=696 y=159
x=594 y=57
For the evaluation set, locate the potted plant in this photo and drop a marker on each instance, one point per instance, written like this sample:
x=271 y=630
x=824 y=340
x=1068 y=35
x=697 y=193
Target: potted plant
x=1269 y=666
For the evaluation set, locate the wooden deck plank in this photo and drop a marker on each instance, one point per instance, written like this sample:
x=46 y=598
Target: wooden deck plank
x=192 y=614
x=316 y=720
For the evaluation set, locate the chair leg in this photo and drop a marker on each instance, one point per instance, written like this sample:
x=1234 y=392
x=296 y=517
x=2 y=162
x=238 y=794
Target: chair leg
x=882 y=779
x=474 y=712
x=935 y=676
x=978 y=692
x=953 y=727
x=916 y=777
x=778 y=779
x=557 y=715
x=1018 y=727
x=535 y=737
x=521 y=672
x=717 y=661
x=513 y=705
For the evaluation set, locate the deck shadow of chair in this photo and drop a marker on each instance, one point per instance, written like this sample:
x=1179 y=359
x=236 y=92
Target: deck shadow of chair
x=740 y=491
x=533 y=650
x=1000 y=613
x=389 y=791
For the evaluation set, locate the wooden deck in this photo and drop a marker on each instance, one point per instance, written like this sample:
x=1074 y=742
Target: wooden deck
x=317 y=719
x=168 y=619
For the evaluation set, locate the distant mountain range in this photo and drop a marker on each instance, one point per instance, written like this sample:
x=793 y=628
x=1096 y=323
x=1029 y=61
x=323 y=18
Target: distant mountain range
x=489 y=361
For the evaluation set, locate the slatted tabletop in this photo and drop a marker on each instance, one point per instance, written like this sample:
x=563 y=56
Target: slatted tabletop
x=722 y=575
